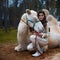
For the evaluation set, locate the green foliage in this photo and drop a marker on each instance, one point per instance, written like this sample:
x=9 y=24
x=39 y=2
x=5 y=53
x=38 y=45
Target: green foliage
x=8 y=37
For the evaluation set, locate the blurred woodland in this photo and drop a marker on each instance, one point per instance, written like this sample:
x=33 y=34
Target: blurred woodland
x=12 y=10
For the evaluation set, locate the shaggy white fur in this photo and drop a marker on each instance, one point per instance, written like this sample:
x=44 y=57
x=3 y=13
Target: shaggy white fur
x=54 y=34
x=22 y=34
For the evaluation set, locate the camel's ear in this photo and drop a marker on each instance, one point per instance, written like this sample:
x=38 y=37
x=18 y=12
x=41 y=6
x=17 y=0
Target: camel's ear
x=28 y=11
x=46 y=12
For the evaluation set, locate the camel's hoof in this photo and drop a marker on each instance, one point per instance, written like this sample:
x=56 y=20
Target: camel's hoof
x=17 y=48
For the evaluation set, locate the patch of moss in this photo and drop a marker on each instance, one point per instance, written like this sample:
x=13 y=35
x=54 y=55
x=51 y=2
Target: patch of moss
x=8 y=37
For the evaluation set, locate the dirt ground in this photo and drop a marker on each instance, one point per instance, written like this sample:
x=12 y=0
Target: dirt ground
x=7 y=53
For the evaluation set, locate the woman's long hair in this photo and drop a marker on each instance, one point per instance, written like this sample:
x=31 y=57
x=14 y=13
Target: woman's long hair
x=44 y=21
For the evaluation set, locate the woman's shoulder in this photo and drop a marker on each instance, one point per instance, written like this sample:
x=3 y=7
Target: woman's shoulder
x=39 y=23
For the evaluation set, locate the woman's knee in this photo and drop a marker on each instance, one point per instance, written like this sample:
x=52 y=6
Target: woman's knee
x=32 y=38
x=30 y=47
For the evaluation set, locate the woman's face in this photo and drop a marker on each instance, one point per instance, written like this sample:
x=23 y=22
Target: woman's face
x=41 y=16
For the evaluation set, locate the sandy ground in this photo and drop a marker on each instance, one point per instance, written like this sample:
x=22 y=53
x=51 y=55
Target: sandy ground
x=7 y=53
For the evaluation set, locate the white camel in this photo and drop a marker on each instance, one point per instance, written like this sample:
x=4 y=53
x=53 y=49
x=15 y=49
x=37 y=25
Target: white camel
x=53 y=32
x=22 y=34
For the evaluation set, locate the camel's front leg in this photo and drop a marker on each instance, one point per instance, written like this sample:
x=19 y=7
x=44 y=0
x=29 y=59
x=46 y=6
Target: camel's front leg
x=22 y=37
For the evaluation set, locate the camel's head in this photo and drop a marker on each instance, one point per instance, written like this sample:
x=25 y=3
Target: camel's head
x=28 y=11
x=46 y=12
x=52 y=19
x=30 y=15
